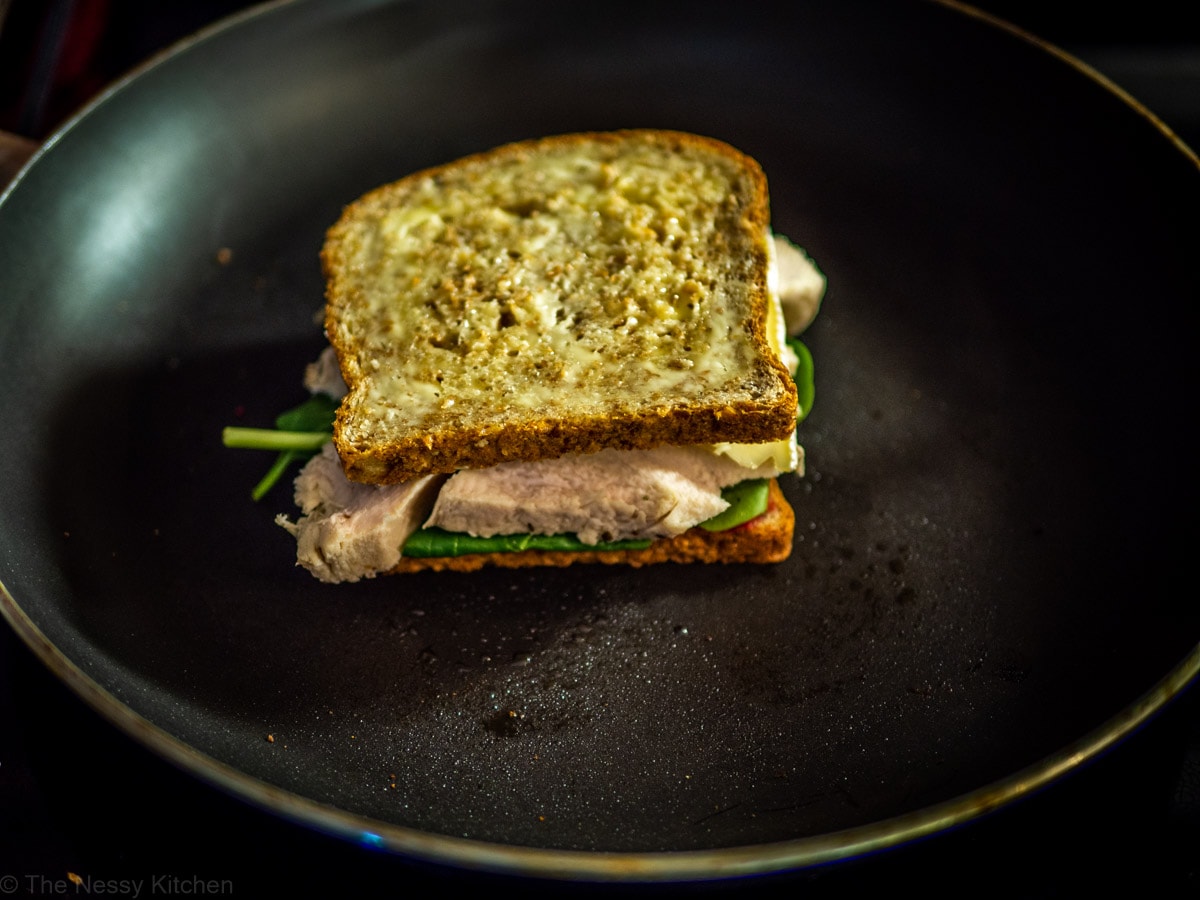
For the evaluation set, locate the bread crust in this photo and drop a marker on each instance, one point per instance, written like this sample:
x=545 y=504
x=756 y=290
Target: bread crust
x=765 y=539
x=761 y=407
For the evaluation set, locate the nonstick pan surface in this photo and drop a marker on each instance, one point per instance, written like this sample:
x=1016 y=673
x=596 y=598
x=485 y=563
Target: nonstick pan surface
x=989 y=582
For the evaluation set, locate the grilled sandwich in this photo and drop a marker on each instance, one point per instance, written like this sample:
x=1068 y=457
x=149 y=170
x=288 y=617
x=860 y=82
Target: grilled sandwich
x=561 y=350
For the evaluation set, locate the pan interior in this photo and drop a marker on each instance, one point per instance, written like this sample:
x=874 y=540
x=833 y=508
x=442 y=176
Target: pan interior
x=989 y=532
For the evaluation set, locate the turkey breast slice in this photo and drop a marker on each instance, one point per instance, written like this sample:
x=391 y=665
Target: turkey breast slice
x=607 y=496
x=351 y=531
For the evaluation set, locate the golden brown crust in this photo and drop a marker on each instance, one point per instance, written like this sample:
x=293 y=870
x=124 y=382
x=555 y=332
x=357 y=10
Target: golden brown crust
x=447 y=452
x=766 y=539
x=755 y=406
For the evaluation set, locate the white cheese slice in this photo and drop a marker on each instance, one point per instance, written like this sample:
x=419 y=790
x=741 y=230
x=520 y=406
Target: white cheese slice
x=785 y=454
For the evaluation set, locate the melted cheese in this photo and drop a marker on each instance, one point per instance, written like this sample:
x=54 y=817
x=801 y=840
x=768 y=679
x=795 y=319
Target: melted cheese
x=786 y=454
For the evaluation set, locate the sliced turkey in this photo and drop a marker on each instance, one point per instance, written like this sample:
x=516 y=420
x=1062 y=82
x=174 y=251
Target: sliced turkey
x=606 y=496
x=350 y=531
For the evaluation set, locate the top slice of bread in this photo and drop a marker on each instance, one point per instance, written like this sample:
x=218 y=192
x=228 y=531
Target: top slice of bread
x=555 y=296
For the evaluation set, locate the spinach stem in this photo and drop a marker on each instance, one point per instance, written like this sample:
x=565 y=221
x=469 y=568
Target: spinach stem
x=282 y=461
x=272 y=439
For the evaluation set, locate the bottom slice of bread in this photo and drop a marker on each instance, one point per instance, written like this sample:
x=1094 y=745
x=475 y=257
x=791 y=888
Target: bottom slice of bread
x=765 y=539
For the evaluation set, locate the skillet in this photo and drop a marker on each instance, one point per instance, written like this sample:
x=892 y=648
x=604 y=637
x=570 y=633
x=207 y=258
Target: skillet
x=983 y=591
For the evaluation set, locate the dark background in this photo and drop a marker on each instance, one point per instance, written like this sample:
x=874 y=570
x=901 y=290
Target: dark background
x=76 y=795
x=56 y=54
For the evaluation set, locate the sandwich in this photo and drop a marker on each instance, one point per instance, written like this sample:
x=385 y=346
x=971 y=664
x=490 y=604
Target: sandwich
x=566 y=350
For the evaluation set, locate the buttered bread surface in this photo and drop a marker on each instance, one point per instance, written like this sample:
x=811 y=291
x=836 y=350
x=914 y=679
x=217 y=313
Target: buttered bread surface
x=555 y=296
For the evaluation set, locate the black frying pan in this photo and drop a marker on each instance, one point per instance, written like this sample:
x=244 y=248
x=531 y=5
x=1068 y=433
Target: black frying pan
x=999 y=498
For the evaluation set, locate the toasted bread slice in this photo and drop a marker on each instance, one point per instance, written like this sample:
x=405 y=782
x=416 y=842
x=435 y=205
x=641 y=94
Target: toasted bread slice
x=765 y=539
x=555 y=296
